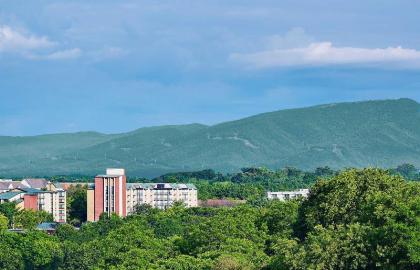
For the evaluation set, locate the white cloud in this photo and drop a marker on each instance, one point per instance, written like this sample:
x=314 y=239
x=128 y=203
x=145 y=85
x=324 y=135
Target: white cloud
x=33 y=47
x=57 y=55
x=324 y=53
x=15 y=41
x=64 y=54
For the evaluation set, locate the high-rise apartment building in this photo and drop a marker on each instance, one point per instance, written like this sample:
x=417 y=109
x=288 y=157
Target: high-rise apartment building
x=108 y=195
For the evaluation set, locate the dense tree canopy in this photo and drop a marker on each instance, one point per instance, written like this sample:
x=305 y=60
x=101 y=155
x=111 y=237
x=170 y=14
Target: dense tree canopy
x=357 y=219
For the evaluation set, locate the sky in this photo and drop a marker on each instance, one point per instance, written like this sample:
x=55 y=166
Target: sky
x=115 y=66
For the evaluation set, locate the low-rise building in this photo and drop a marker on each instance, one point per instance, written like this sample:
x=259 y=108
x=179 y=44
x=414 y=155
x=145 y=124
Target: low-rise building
x=8 y=184
x=36 y=194
x=48 y=227
x=15 y=196
x=288 y=195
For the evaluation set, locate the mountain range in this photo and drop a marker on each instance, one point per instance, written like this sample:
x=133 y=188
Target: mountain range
x=382 y=133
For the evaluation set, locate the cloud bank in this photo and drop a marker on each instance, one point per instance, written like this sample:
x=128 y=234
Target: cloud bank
x=33 y=47
x=13 y=40
x=324 y=53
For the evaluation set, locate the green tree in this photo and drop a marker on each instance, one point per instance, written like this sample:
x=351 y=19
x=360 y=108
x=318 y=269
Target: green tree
x=248 y=252
x=29 y=219
x=280 y=217
x=184 y=262
x=380 y=203
x=212 y=232
x=4 y=222
x=11 y=257
x=77 y=204
x=229 y=262
x=364 y=196
x=145 y=209
x=66 y=232
x=408 y=171
x=41 y=251
x=8 y=209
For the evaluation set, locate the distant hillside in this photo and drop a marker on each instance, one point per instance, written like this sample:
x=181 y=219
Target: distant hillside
x=359 y=134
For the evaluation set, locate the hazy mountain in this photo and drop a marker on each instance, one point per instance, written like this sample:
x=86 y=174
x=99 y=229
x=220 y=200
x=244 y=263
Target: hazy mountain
x=359 y=134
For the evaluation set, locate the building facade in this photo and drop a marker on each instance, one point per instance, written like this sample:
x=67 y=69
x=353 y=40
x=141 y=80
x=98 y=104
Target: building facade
x=160 y=195
x=111 y=194
x=108 y=195
x=288 y=195
x=37 y=195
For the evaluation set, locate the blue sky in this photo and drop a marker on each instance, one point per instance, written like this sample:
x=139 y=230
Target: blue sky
x=114 y=66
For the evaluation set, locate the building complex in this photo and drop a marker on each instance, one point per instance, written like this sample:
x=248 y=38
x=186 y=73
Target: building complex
x=112 y=194
x=36 y=194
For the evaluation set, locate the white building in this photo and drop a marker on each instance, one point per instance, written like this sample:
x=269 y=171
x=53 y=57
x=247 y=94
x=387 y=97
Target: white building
x=288 y=195
x=36 y=194
x=161 y=195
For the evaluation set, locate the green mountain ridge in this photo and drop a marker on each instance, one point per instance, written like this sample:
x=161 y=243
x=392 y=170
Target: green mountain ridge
x=382 y=133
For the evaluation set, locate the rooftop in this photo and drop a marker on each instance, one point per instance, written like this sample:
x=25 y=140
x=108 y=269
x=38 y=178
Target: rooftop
x=7 y=184
x=108 y=175
x=160 y=186
x=33 y=190
x=9 y=195
x=35 y=182
x=47 y=226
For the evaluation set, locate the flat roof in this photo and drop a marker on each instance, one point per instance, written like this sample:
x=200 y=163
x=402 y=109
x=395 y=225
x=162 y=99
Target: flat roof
x=165 y=185
x=153 y=185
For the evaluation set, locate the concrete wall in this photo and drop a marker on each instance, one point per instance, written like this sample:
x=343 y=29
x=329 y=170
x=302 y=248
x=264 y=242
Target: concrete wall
x=90 y=205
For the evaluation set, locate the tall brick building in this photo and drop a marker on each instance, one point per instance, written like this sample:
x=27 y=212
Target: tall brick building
x=108 y=196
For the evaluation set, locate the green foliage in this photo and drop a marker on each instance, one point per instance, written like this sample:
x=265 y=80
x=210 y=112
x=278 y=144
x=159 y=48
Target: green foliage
x=66 y=232
x=77 y=204
x=229 y=262
x=358 y=219
x=11 y=257
x=29 y=219
x=41 y=251
x=280 y=217
x=184 y=262
x=145 y=209
x=24 y=219
x=4 y=222
x=8 y=209
x=369 y=196
x=408 y=171
x=250 y=184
